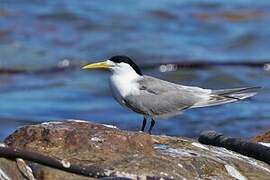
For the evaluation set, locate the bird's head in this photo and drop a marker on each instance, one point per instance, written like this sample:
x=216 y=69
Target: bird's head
x=116 y=64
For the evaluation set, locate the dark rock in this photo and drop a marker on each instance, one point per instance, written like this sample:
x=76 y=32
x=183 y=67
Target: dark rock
x=131 y=154
x=242 y=146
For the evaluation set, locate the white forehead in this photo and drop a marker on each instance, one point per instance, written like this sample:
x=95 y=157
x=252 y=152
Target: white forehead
x=110 y=62
x=121 y=64
x=121 y=68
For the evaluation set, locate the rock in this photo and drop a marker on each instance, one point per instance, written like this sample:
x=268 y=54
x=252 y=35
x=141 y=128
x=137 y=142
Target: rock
x=131 y=154
x=44 y=172
x=263 y=137
x=9 y=170
x=259 y=151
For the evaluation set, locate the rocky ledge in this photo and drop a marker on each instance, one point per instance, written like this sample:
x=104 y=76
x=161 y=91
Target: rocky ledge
x=112 y=153
x=263 y=137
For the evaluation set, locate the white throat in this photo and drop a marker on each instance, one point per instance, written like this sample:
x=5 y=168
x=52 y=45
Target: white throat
x=124 y=81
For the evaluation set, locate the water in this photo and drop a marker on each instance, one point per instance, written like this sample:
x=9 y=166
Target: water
x=43 y=44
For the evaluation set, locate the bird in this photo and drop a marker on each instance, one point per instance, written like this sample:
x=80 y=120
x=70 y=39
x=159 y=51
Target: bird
x=154 y=98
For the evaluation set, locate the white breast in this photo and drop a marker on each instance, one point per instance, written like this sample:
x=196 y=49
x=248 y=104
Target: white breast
x=123 y=85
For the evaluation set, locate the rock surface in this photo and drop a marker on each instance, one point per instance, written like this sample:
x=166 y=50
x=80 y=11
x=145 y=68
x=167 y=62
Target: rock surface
x=263 y=137
x=9 y=170
x=131 y=154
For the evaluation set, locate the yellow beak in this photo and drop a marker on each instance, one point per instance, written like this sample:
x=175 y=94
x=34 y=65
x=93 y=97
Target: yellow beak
x=99 y=65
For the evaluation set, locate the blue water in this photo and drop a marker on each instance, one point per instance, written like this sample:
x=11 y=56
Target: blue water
x=43 y=44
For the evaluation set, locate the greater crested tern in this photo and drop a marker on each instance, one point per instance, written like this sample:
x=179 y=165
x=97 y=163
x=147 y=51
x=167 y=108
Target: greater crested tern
x=156 y=98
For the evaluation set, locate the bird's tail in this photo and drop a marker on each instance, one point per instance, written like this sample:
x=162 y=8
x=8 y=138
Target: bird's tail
x=223 y=96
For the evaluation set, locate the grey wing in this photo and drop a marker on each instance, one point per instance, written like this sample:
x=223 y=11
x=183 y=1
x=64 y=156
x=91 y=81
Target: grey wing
x=160 y=86
x=161 y=98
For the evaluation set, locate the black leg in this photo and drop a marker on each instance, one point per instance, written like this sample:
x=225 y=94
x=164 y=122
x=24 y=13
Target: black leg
x=143 y=124
x=151 y=126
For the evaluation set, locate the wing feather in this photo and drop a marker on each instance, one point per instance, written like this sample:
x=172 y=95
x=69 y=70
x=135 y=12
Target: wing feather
x=160 y=98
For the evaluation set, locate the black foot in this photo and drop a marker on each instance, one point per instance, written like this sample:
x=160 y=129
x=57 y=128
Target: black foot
x=151 y=126
x=143 y=124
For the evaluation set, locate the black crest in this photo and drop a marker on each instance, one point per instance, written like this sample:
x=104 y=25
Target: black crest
x=125 y=59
